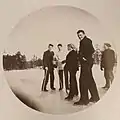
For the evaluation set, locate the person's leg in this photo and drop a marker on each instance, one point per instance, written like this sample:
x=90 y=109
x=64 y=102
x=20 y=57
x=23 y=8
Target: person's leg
x=66 y=78
x=106 y=75
x=45 y=80
x=85 y=81
x=71 y=92
x=83 y=84
x=75 y=84
x=43 y=83
x=93 y=88
x=61 y=79
x=111 y=75
x=52 y=79
x=71 y=88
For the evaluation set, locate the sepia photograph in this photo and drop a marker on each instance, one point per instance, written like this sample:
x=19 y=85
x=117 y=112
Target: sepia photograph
x=59 y=60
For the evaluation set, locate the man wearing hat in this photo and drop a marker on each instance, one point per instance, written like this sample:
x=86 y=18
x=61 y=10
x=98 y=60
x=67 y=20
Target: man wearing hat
x=107 y=63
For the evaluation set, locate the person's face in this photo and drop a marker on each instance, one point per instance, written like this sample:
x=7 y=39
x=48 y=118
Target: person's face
x=50 y=48
x=59 y=48
x=105 y=47
x=81 y=35
x=69 y=48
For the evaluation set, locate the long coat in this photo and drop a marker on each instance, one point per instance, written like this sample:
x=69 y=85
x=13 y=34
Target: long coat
x=86 y=50
x=108 y=59
x=86 y=78
x=72 y=61
x=48 y=58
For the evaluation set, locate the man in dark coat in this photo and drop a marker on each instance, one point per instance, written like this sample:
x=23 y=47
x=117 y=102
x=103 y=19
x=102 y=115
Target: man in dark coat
x=48 y=65
x=72 y=66
x=86 y=80
x=108 y=61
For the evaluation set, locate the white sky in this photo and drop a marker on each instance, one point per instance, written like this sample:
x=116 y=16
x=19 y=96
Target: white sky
x=53 y=25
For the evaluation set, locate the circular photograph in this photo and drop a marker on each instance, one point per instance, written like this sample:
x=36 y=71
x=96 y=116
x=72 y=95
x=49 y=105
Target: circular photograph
x=59 y=60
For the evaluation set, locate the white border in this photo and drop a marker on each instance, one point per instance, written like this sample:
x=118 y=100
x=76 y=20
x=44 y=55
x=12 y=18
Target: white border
x=107 y=11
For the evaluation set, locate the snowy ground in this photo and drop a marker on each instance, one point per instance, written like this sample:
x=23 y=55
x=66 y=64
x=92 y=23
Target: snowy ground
x=26 y=84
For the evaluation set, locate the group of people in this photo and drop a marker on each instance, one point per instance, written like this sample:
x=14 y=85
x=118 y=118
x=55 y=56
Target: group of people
x=69 y=64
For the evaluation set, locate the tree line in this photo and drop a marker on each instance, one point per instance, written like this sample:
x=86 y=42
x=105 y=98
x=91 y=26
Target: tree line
x=19 y=62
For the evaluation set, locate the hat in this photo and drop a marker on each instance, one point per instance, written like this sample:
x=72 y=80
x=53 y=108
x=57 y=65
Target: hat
x=107 y=44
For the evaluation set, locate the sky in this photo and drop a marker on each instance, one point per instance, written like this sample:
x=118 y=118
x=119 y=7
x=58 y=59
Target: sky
x=53 y=25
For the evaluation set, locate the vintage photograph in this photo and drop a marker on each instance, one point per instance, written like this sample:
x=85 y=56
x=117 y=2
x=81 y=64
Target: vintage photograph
x=59 y=60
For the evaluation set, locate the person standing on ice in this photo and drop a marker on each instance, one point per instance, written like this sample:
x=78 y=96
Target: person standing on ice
x=86 y=81
x=60 y=56
x=107 y=64
x=72 y=65
x=48 y=65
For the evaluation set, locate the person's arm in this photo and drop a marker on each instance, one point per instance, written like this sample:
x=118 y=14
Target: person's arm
x=45 y=60
x=114 y=59
x=91 y=49
x=64 y=61
x=80 y=55
x=56 y=57
x=102 y=64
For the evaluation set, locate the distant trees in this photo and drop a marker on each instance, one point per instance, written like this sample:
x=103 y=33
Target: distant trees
x=34 y=62
x=19 y=62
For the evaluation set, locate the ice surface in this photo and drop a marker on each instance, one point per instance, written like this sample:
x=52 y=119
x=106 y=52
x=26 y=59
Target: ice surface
x=26 y=84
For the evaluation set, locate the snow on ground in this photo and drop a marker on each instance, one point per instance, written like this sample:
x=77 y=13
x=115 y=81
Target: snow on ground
x=26 y=84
